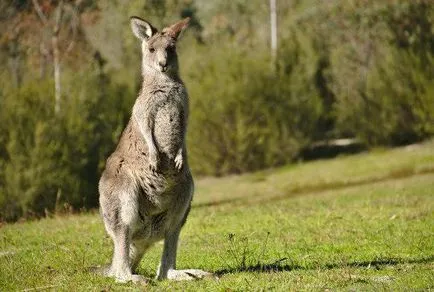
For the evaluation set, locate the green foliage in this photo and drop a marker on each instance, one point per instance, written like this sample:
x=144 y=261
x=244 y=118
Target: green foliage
x=359 y=69
x=53 y=162
x=246 y=115
x=389 y=99
x=404 y=109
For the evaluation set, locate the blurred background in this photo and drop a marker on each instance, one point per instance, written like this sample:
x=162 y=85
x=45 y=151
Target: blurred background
x=331 y=72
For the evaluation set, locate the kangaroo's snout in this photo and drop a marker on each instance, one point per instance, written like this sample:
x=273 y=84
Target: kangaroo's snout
x=163 y=65
x=162 y=61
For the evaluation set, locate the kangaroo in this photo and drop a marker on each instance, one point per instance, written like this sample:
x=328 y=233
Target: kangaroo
x=147 y=187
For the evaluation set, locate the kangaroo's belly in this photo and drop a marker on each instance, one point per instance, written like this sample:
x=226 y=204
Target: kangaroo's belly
x=161 y=210
x=169 y=129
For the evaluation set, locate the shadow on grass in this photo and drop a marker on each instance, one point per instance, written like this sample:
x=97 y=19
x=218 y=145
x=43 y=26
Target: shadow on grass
x=279 y=267
x=299 y=190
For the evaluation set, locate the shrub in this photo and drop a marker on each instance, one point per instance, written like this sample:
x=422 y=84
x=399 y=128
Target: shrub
x=245 y=115
x=52 y=162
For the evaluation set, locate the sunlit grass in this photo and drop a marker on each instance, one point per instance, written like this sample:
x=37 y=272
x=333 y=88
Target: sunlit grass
x=362 y=222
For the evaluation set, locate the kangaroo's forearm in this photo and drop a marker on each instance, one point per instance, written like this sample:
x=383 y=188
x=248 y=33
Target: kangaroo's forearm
x=180 y=151
x=145 y=125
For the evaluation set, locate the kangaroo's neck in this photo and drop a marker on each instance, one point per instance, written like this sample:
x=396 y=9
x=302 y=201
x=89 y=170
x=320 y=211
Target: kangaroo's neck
x=154 y=80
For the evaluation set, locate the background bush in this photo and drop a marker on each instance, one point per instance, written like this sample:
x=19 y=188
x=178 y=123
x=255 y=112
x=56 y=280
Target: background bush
x=344 y=69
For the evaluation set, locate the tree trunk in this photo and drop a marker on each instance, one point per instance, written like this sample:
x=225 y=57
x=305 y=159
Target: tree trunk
x=273 y=30
x=14 y=61
x=56 y=64
x=43 y=62
x=56 y=58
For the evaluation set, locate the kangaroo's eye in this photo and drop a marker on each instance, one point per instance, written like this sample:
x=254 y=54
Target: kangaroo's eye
x=151 y=50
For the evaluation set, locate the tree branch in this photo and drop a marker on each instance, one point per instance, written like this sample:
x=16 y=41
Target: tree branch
x=39 y=12
x=59 y=13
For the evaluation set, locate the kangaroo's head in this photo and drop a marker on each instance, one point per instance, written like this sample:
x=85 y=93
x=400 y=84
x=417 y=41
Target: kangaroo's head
x=158 y=48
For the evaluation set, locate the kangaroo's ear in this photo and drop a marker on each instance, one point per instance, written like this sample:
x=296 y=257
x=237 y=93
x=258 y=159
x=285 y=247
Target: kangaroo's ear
x=142 y=29
x=176 y=29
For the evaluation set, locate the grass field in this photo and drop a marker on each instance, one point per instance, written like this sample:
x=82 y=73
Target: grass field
x=362 y=222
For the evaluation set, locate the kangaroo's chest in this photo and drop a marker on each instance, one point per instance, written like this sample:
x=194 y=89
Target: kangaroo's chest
x=168 y=119
x=169 y=125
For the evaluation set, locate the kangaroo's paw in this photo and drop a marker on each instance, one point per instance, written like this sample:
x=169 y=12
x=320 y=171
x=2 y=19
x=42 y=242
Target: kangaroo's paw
x=178 y=161
x=189 y=274
x=153 y=161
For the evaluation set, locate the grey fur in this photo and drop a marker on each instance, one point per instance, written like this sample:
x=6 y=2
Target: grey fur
x=146 y=188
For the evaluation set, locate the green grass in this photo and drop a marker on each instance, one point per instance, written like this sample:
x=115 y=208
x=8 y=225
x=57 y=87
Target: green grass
x=362 y=222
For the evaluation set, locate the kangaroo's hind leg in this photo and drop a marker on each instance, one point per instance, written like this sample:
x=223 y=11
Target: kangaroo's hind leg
x=111 y=209
x=120 y=267
x=120 y=213
x=137 y=249
x=167 y=268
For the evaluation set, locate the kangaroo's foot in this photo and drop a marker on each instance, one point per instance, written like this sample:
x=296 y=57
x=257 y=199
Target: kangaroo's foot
x=139 y=279
x=189 y=274
x=123 y=277
x=119 y=276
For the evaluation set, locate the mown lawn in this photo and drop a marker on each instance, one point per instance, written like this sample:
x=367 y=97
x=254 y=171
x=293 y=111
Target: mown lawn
x=362 y=222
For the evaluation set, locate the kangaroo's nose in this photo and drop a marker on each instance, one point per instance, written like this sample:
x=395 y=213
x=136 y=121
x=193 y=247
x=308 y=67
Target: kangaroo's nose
x=163 y=65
